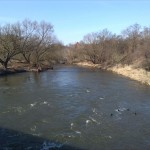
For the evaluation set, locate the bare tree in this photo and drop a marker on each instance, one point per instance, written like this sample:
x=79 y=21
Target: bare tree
x=97 y=45
x=43 y=40
x=9 y=43
x=145 y=48
x=37 y=38
x=27 y=45
x=91 y=47
x=133 y=36
x=29 y=38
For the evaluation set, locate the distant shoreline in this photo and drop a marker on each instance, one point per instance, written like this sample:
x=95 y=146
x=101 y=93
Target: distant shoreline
x=129 y=71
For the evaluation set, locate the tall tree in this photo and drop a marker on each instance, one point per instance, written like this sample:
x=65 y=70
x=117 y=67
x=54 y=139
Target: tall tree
x=9 y=43
x=29 y=38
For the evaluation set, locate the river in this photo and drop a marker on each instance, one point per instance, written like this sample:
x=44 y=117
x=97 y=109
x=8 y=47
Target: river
x=74 y=108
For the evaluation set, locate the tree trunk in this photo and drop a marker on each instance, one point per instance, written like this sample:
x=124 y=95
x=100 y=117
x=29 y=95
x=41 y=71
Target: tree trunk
x=5 y=65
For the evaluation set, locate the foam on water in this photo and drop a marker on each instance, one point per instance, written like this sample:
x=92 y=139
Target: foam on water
x=44 y=121
x=88 y=91
x=33 y=128
x=33 y=104
x=94 y=120
x=4 y=112
x=45 y=102
x=71 y=126
x=78 y=132
x=94 y=110
x=39 y=103
x=51 y=145
x=17 y=109
x=88 y=121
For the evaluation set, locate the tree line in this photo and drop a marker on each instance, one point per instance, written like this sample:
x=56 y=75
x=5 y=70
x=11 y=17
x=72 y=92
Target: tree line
x=34 y=43
x=131 y=47
x=29 y=41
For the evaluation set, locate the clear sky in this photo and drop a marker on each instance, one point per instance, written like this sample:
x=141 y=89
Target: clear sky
x=72 y=19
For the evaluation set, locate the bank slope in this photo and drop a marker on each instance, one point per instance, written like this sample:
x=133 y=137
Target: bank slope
x=130 y=71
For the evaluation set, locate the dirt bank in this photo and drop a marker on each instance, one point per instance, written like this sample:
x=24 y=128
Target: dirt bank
x=129 y=71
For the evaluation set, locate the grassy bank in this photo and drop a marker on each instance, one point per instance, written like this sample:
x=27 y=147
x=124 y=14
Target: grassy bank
x=130 y=71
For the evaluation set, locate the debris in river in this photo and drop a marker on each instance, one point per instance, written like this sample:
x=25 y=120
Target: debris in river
x=33 y=128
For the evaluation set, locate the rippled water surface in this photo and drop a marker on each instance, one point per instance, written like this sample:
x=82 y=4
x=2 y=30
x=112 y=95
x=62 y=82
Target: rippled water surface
x=74 y=107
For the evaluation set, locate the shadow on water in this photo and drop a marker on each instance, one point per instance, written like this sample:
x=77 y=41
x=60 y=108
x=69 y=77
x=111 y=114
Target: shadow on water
x=15 y=140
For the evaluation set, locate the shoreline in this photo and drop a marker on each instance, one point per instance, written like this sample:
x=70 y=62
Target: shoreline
x=11 y=71
x=130 y=71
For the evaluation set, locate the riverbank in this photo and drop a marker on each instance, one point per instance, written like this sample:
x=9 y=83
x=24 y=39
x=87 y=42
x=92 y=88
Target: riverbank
x=23 y=69
x=11 y=71
x=130 y=71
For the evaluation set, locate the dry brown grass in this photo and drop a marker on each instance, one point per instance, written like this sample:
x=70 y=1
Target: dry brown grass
x=134 y=73
x=88 y=64
x=129 y=71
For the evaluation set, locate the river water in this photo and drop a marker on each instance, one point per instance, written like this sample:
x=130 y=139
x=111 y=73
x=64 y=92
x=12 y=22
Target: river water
x=74 y=108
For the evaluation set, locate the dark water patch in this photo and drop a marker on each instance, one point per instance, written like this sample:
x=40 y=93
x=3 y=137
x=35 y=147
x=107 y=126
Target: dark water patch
x=14 y=140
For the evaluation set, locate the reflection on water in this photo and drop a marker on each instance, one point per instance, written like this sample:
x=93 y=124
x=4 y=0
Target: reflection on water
x=84 y=108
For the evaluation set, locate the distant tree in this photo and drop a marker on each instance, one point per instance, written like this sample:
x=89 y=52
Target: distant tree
x=146 y=41
x=145 y=48
x=105 y=48
x=55 y=54
x=97 y=45
x=133 y=36
x=91 y=41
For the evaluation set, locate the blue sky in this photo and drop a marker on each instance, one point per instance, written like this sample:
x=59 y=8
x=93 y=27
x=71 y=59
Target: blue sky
x=72 y=19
